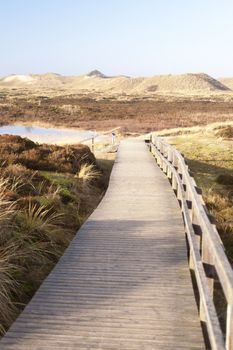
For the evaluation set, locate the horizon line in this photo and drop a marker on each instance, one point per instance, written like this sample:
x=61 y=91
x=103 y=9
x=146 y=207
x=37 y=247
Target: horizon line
x=99 y=73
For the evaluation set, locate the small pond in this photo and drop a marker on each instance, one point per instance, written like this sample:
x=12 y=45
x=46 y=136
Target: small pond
x=47 y=135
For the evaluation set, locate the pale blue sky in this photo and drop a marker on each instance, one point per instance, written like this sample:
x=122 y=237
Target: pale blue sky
x=133 y=37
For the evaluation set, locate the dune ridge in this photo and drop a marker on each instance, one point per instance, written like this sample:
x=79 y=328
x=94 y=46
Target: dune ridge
x=97 y=82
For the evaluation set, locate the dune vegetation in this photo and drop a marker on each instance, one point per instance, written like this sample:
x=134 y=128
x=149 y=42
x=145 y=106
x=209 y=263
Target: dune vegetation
x=135 y=115
x=209 y=155
x=41 y=208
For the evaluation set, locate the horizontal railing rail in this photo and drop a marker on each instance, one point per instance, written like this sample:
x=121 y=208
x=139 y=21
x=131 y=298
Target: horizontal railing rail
x=207 y=259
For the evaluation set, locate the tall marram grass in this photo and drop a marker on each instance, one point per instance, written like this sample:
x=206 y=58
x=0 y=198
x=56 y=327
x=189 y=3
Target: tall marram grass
x=39 y=215
x=8 y=248
x=88 y=172
x=8 y=286
x=29 y=238
x=35 y=230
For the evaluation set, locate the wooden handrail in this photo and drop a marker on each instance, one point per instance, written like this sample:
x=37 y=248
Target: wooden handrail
x=207 y=258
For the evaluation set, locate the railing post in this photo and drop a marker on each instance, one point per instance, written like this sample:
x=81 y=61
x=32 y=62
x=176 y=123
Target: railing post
x=153 y=150
x=202 y=311
x=174 y=160
x=174 y=183
x=229 y=327
x=208 y=264
x=169 y=155
x=196 y=227
x=169 y=158
x=92 y=144
x=191 y=262
x=164 y=167
x=150 y=144
x=161 y=149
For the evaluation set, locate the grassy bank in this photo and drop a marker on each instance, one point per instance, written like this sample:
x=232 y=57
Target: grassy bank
x=43 y=202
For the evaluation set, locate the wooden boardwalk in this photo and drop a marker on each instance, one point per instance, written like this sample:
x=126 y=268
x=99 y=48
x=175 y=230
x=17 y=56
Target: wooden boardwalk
x=124 y=282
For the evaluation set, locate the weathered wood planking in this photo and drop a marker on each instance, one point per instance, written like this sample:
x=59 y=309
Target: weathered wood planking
x=124 y=281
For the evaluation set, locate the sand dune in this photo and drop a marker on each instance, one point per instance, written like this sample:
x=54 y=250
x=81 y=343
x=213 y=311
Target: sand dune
x=16 y=80
x=97 y=82
x=227 y=82
x=181 y=83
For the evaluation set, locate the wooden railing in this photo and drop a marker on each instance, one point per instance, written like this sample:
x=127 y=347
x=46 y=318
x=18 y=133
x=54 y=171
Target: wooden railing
x=96 y=135
x=208 y=263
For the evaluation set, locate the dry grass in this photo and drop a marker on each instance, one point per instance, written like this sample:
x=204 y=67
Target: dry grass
x=40 y=211
x=88 y=172
x=226 y=132
x=210 y=158
x=8 y=285
x=221 y=208
x=138 y=114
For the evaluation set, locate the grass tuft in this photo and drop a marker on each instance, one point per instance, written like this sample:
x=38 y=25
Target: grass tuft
x=88 y=173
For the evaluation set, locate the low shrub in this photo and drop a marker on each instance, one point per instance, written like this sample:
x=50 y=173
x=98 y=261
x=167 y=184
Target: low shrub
x=225 y=179
x=21 y=151
x=226 y=132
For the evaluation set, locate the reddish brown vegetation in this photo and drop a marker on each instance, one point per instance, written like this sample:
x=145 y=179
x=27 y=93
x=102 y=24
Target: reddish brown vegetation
x=17 y=150
x=135 y=115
